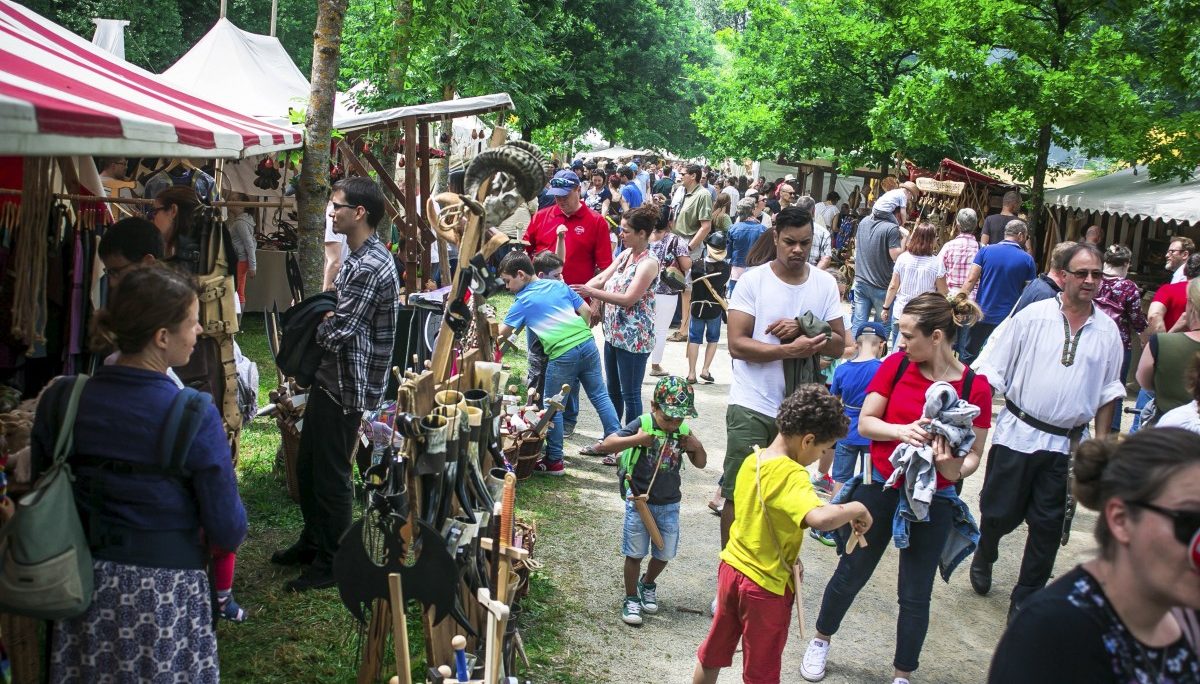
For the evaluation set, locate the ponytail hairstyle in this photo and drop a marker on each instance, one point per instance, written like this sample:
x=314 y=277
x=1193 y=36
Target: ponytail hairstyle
x=937 y=312
x=1135 y=468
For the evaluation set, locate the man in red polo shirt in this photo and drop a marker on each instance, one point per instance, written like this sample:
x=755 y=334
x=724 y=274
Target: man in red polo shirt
x=588 y=249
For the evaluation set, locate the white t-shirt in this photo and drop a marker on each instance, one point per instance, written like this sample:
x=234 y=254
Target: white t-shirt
x=760 y=293
x=1186 y=417
x=827 y=215
x=1178 y=276
x=733 y=196
x=917 y=276
x=331 y=236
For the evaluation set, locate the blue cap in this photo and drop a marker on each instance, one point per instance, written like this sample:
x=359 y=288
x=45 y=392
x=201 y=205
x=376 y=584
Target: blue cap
x=871 y=328
x=577 y=164
x=633 y=166
x=563 y=183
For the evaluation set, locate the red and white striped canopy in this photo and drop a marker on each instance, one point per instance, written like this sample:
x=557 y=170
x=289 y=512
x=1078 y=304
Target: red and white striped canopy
x=61 y=95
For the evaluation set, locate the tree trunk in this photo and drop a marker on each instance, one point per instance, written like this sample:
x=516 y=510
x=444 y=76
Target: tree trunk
x=313 y=191
x=447 y=144
x=1039 y=190
x=402 y=47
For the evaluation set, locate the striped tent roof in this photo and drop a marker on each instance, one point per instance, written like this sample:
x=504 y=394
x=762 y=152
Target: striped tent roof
x=61 y=95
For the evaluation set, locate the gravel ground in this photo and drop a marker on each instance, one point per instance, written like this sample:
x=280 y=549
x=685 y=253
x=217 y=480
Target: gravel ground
x=964 y=628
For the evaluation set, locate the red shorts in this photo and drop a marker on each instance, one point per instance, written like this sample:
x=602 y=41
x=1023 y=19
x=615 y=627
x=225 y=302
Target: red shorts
x=754 y=615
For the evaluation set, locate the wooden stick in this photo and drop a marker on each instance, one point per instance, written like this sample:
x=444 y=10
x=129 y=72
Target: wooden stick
x=798 y=578
x=399 y=629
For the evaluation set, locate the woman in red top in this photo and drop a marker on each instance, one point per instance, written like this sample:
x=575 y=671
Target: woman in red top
x=891 y=414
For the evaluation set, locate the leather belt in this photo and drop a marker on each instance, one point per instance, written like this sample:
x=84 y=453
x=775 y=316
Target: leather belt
x=1072 y=433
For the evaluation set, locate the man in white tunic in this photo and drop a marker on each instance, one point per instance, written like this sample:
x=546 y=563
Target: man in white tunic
x=1057 y=362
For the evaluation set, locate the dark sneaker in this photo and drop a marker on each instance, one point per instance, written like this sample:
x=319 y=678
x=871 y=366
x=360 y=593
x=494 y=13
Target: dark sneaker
x=294 y=555
x=648 y=595
x=311 y=578
x=568 y=429
x=553 y=468
x=230 y=610
x=631 y=613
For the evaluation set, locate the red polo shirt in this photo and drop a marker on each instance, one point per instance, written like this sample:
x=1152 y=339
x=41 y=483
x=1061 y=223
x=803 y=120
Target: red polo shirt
x=588 y=246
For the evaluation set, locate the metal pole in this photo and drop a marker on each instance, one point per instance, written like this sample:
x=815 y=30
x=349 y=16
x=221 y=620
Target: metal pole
x=223 y=3
x=274 y=13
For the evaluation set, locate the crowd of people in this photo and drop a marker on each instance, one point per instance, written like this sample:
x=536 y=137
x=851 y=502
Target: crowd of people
x=882 y=372
x=879 y=371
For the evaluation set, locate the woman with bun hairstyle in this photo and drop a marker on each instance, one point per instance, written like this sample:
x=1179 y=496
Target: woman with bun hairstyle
x=892 y=414
x=152 y=532
x=1110 y=619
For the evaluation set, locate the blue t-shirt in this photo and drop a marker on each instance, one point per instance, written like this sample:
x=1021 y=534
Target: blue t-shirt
x=632 y=194
x=1006 y=269
x=742 y=236
x=549 y=308
x=850 y=382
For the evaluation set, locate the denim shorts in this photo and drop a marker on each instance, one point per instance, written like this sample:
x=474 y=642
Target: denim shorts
x=701 y=330
x=635 y=542
x=846 y=458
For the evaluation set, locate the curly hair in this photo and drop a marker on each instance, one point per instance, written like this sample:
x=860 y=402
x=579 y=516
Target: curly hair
x=811 y=409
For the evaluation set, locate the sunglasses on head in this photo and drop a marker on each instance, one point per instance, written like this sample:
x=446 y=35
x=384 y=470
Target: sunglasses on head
x=562 y=183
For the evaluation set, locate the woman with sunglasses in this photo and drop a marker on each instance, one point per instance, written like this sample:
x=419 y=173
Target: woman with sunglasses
x=173 y=209
x=1110 y=619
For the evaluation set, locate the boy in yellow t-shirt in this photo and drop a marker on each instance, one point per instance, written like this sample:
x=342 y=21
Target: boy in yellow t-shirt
x=754 y=581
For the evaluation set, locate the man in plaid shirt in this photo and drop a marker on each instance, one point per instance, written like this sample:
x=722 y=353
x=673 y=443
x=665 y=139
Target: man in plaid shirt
x=358 y=337
x=958 y=254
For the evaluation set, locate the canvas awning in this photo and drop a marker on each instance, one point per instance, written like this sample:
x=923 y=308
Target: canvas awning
x=61 y=95
x=434 y=111
x=1125 y=192
x=619 y=152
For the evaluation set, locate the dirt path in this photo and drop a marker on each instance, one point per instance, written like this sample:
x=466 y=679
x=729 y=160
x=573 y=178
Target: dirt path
x=964 y=628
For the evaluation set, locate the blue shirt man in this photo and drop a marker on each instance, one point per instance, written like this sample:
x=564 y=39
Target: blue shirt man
x=630 y=191
x=1002 y=271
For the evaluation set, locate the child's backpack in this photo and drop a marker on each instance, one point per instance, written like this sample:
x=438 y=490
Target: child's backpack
x=630 y=456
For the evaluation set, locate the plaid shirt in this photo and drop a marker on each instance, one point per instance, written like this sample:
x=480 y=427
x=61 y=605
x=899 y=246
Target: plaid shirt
x=957 y=256
x=362 y=330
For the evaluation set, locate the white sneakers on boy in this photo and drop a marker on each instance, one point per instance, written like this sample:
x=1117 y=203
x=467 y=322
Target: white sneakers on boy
x=813 y=667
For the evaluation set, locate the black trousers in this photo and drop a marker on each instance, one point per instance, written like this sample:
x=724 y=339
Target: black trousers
x=918 y=567
x=977 y=335
x=324 y=464
x=1024 y=487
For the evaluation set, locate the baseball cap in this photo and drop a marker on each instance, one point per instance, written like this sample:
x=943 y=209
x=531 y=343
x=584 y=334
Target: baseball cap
x=871 y=328
x=577 y=164
x=675 y=397
x=633 y=166
x=563 y=183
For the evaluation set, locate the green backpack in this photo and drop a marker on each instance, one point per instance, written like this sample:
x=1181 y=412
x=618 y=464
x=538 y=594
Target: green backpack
x=46 y=566
x=630 y=456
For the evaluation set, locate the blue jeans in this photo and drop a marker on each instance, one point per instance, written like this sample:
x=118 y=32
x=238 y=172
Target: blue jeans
x=700 y=331
x=976 y=338
x=635 y=538
x=624 y=371
x=1143 y=398
x=868 y=298
x=574 y=367
x=846 y=458
x=1120 y=410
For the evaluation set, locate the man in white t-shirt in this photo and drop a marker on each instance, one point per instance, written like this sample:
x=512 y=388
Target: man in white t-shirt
x=336 y=251
x=764 y=331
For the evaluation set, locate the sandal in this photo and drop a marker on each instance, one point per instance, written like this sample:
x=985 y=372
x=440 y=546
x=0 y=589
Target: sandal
x=611 y=459
x=707 y=378
x=658 y=373
x=591 y=450
x=691 y=381
x=677 y=336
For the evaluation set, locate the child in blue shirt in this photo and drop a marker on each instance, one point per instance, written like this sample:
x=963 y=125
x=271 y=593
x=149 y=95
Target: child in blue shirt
x=850 y=381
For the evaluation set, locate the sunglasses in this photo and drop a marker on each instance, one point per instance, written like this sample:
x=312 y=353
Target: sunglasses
x=152 y=211
x=1187 y=523
x=1084 y=274
x=339 y=205
x=563 y=183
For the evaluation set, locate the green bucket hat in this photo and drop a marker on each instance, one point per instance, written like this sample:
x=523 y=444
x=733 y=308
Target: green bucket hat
x=675 y=397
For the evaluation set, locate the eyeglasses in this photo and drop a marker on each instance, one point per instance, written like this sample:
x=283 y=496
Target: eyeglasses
x=1176 y=251
x=1187 y=523
x=339 y=205
x=113 y=273
x=1084 y=274
x=563 y=183
x=152 y=211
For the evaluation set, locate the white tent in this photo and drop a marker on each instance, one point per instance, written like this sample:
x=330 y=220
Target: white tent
x=246 y=72
x=1124 y=192
x=619 y=152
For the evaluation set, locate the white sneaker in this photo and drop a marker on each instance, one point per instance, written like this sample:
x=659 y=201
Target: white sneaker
x=813 y=667
x=900 y=680
x=713 y=609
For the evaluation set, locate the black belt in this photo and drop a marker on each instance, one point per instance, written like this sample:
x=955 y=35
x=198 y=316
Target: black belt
x=1072 y=433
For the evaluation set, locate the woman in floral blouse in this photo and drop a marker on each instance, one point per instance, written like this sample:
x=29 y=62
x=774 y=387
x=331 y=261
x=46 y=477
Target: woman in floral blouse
x=626 y=288
x=1121 y=299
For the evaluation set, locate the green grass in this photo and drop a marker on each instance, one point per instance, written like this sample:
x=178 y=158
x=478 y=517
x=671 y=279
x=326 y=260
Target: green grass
x=311 y=637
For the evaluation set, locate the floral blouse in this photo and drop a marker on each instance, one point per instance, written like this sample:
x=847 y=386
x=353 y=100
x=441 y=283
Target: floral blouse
x=666 y=251
x=1121 y=299
x=630 y=328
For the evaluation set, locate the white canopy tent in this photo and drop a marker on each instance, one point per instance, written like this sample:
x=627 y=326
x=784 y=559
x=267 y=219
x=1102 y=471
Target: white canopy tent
x=246 y=72
x=1125 y=192
x=619 y=152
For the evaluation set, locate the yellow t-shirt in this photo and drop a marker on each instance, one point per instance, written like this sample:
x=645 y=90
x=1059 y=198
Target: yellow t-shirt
x=789 y=496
